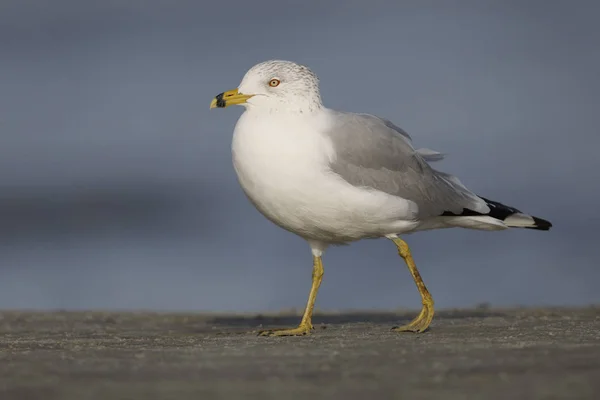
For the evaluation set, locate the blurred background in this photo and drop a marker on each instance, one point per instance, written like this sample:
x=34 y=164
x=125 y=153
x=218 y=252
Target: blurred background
x=116 y=184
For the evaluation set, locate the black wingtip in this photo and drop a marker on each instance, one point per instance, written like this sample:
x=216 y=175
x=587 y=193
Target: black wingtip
x=540 y=224
x=502 y=212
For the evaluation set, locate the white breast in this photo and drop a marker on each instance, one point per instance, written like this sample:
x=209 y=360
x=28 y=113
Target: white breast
x=282 y=165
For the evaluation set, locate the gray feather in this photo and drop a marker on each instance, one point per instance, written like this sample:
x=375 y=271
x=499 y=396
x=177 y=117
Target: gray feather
x=430 y=155
x=374 y=153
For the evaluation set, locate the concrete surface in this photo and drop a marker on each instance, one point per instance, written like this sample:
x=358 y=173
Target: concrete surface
x=478 y=354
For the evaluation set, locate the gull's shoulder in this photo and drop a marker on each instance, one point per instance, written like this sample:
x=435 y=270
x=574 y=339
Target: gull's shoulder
x=363 y=120
x=350 y=129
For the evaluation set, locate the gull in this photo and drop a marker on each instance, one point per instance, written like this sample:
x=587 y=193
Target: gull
x=335 y=177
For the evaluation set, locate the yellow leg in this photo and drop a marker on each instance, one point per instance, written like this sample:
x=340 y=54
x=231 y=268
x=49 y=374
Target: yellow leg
x=422 y=321
x=305 y=326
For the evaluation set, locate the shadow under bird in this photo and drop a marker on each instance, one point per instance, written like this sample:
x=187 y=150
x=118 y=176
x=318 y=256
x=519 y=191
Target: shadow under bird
x=335 y=177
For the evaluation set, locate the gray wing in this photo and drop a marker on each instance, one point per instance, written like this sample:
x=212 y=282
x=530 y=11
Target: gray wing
x=373 y=152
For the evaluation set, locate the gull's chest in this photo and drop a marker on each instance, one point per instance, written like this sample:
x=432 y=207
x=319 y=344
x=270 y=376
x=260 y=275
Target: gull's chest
x=278 y=155
x=278 y=163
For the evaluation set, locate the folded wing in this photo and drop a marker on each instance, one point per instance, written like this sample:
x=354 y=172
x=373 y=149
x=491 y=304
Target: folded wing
x=374 y=153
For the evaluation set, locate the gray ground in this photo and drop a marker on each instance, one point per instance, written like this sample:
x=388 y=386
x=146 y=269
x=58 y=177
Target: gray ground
x=480 y=353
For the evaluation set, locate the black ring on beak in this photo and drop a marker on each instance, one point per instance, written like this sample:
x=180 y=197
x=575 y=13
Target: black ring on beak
x=220 y=101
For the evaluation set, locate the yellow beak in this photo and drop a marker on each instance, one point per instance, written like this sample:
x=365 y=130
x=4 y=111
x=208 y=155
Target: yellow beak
x=229 y=98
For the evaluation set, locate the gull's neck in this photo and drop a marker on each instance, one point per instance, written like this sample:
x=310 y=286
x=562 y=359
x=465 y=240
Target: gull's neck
x=307 y=106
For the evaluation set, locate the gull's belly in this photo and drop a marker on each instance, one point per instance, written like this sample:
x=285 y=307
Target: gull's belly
x=288 y=200
x=285 y=174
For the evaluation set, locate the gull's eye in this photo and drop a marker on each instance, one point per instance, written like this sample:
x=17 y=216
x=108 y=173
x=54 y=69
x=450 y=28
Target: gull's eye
x=274 y=82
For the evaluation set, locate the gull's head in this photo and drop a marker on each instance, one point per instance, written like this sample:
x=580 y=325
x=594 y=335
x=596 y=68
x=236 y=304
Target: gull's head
x=275 y=86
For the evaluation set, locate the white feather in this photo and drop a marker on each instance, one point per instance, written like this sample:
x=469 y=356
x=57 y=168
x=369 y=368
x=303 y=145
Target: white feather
x=519 y=220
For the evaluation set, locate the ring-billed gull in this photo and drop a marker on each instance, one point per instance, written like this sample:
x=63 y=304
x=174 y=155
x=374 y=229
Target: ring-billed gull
x=335 y=177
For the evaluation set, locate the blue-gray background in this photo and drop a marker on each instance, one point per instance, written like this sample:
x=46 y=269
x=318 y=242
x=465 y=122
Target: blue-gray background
x=117 y=189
